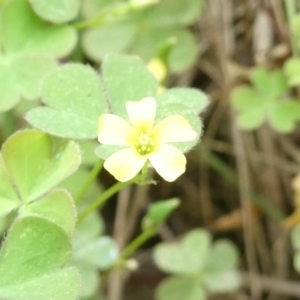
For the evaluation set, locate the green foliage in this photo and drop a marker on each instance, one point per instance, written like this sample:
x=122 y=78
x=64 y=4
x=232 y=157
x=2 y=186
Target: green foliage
x=32 y=261
x=30 y=47
x=75 y=100
x=23 y=32
x=197 y=266
x=56 y=11
x=91 y=253
x=291 y=69
x=158 y=212
x=30 y=167
x=266 y=100
x=43 y=253
x=140 y=32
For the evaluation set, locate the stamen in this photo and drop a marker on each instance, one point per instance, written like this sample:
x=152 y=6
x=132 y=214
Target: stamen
x=144 y=144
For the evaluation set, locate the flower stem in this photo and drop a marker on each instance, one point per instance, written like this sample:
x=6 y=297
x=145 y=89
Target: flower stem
x=93 y=174
x=101 y=200
x=137 y=243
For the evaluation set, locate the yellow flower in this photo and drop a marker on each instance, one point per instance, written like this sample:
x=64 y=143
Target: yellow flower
x=144 y=141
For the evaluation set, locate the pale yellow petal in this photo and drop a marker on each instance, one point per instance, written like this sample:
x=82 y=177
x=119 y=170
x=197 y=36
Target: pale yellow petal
x=142 y=113
x=124 y=164
x=174 y=129
x=113 y=130
x=168 y=161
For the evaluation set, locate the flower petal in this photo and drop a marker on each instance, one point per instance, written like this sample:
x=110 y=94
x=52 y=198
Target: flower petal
x=174 y=129
x=142 y=113
x=124 y=164
x=168 y=161
x=113 y=130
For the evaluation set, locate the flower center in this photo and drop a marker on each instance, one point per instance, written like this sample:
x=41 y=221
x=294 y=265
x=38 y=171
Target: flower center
x=144 y=144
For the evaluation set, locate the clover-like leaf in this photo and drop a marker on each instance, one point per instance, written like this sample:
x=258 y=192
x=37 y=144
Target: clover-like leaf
x=265 y=101
x=56 y=11
x=172 y=13
x=194 y=99
x=20 y=77
x=57 y=207
x=30 y=167
x=291 y=70
x=23 y=32
x=186 y=258
x=91 y=253
x=100 y=41
x=178 y=288
x=76 y=100
x=32 y=260
x=126 y=78
x=220 y=271
x=285 y=115
x=140 y=32
x=182 y=54
x=269 y=84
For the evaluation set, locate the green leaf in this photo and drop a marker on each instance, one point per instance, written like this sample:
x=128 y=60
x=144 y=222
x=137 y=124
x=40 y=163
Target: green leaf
x=8 y=197
x=34 y=248
x=244 y=98
x=252 y=119
x=192 y=98
x=270 y=84
x=101 y=41
x=29 y=71
x=76 y=100
x=93 y=8
x=186 y=258
x=222 y=281
x=88 y=230
x=126 y=78
x=100 y=253
x=90 y=279
x=158 y=212
x=178 y=288
x=9 y=94
x=284 y=116
x=92 y=252
x=61 y=284
x=24 y=33
x=21 y=77
x=58 y=207
x=220 y=272
x=291 y=69
x=105 y=151
x=261 y=80
x=34 y=166
x=172 y=13
x=182 y=54
x=56 y=11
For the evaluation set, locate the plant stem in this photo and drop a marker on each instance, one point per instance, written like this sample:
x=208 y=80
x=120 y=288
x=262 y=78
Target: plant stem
x=93 y=174
x=101 y=200
x=137 y=243
x=290 y=8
